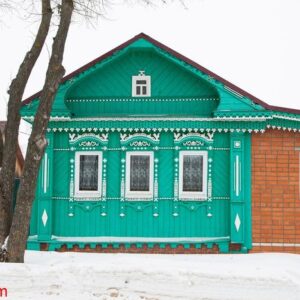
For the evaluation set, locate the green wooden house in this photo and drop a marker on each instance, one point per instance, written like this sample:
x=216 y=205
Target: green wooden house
x=148 y=150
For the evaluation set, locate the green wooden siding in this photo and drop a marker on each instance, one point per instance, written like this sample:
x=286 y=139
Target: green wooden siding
x=141 y=224
x=192 y=220
x=108 y=89
x=98 y=101
x=167 y=78
x=112 y=107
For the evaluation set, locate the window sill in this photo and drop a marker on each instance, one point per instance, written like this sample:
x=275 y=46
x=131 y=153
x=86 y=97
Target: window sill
x=139 y=196
x=87 y=197
x=139 y=199
x=192 y=198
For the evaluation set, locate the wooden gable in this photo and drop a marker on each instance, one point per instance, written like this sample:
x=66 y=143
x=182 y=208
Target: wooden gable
x=108 y=79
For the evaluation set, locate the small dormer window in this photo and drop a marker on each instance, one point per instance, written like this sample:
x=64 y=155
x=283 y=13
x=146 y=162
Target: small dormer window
x=141 y=85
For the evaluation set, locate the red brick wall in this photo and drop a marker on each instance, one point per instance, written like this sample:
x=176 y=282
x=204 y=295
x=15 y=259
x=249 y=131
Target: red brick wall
x=275 y=191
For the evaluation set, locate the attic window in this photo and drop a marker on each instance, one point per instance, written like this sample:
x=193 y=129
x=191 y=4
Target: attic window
x=141 y=85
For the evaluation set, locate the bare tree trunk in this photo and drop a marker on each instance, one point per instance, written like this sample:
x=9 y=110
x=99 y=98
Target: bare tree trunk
x=15 y=92
x=37 y=141
x=1 y=149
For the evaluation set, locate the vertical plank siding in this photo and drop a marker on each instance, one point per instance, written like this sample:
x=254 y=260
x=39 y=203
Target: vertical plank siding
x=189 y=223
x=187 y=108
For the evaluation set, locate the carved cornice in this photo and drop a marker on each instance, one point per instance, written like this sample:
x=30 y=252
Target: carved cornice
x=75 y=137
x=208 y=136
x=125 y=137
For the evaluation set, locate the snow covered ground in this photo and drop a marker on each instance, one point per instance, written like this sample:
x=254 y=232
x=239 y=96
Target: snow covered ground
x=50 y=275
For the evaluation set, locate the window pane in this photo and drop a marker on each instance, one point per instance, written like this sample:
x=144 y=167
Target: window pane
x=88 y=176
x=192 y=173
x=144 y=90
x=139 y=172
x=141 y=82
x=138 y=90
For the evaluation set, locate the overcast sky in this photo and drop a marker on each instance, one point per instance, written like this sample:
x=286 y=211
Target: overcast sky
x=252 y=43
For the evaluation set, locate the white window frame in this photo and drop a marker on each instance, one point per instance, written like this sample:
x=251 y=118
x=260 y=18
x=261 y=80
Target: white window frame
x=193 y=195
x=88 y=194
x=139 y=194
x=148 y=85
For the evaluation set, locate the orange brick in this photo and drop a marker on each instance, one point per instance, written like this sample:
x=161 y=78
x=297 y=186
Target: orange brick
x=275 y=190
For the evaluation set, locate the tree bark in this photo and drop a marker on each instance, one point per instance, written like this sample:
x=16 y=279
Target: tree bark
x=16 y=90
x=1 y=148
x=37 y=141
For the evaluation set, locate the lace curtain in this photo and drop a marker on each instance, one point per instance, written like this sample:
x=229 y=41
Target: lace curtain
x=192 y=173
x=88 y=178
x=139 y=173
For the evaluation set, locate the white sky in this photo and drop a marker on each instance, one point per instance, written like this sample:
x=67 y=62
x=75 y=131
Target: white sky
x=252 y=43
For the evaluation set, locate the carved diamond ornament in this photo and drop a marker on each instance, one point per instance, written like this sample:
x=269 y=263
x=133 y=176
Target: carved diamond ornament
x=44 y=217
x=237 y=222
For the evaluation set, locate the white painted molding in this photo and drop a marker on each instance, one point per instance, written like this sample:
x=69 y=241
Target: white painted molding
x=118 y=119
x=277 y=244
x=147 y=84
x=193 y=195
x=116 y=239
x=87 y=194
x=136 y=99
x=46 y=173
x=237 y=175
x=74 y=137
x=135 y=195
x=208 y=136
x=125 y=137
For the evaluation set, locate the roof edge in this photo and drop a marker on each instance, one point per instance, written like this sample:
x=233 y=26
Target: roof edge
x=179 y=56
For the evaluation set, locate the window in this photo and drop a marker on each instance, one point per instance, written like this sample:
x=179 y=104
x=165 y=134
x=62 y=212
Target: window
x=193 y=174
x=88 y=173
x=141 y=85
x=139 y=174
